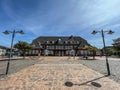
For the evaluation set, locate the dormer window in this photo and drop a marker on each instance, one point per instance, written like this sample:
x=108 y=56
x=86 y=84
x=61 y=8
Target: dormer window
x=53 y=42
x=59 y=41
x=71 y=42
x=66 y=42
x=47 y=42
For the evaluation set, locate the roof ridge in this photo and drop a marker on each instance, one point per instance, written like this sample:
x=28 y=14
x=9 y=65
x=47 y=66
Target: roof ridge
x=59 y=36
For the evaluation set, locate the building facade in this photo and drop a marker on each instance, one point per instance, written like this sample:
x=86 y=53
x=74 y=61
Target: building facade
x=3 y=50
x=58 y=46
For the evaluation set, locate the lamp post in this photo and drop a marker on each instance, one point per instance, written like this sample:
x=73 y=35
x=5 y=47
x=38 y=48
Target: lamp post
x=102 y=33
x=13 y=35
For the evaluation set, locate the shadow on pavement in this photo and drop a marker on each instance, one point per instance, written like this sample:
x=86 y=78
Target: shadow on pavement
x=2 y=76
x=96 y=84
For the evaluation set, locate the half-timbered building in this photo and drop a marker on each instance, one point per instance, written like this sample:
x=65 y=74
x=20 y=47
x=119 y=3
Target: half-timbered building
x=59 y=45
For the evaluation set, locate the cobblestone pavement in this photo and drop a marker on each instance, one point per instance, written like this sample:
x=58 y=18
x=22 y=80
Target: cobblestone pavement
x=15 y=66
x=100 y=66
x=53 y=73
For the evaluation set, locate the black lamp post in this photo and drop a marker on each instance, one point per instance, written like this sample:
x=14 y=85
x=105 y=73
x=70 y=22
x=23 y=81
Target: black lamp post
x=13 y=35
x=102 y=33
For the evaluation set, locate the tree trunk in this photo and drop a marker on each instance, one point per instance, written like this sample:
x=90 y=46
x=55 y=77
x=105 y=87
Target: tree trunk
x=23 y=55
x=94 y=53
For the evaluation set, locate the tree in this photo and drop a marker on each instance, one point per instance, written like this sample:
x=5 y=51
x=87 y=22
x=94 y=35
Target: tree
x=110 y=50
x=116 y=45
x=23 y=47
x=92 y=49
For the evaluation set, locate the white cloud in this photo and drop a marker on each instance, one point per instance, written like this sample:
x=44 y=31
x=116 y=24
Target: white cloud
x=66 y=17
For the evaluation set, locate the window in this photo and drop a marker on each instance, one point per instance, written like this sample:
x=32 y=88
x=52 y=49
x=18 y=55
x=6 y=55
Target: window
x=47 y=42
x=36 y=51
x=53 y=47
x=71 y=42
x=33 y=52
x=59 y=41
x=53 y=42
x=70 y=47
x=47 y=47
x=66 y=42
x=51 y=52
x=56 y=47
x=50 y=47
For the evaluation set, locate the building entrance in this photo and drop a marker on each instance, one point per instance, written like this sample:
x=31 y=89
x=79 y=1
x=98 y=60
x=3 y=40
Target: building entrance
x=59 y=53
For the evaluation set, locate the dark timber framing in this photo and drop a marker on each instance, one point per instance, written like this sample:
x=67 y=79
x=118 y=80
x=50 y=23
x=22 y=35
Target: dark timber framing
x=59 y=46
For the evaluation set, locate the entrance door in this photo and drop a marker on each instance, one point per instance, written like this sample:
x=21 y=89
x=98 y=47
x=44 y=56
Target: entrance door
x=58 y=53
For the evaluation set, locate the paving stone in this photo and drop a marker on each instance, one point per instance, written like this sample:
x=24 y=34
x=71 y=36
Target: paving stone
x=49 y=76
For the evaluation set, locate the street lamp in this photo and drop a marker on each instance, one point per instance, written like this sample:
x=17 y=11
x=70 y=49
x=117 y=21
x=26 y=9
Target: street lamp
x=13 y=35
x=102 y=32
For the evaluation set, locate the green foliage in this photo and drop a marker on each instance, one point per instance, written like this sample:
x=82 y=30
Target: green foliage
x=23 y=47
x=110 y=51
x=92 y=49
x=116 y=46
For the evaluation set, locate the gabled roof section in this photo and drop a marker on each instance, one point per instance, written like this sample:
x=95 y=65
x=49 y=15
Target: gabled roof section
x=60 y=39
x=43 y=39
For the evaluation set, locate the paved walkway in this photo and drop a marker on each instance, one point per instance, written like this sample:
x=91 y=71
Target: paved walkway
x=12 y=58
x=53 y=73
x=109 y=58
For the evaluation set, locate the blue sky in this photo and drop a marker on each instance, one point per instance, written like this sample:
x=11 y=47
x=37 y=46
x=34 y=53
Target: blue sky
x=60 y=18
